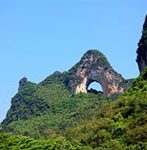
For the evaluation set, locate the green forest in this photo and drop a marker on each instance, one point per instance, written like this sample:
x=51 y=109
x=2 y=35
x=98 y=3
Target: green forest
x=60 y=120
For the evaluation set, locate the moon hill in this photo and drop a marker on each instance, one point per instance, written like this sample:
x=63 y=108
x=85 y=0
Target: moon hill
x=61 y=112
x=93 y=67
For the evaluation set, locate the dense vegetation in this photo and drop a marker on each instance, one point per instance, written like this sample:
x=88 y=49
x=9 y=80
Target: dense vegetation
x=48 y=108
x=11 y=142
x=121 y=124
x=58 y=119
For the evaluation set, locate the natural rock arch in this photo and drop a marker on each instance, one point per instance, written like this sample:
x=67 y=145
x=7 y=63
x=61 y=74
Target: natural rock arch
x=94 y=87
x=94 y=66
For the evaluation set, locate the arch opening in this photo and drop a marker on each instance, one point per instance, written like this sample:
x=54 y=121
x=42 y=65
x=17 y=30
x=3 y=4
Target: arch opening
x=94 y=87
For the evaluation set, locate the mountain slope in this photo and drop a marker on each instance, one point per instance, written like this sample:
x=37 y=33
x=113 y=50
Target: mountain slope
x=120 y=124
x=49 y=108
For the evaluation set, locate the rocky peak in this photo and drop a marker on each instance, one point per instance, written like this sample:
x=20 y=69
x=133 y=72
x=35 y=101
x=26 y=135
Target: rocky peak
x=142 y=48
x=94 y=57
x=22 y=82
x=94 y=66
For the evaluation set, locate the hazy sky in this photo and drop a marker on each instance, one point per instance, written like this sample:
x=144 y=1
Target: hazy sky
x=38 y=37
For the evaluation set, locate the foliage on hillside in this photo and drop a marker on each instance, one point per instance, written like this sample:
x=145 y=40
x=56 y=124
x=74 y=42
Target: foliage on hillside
x=121 y=124
x=11 y=142
x=89 y=120
x=66 y=113
x=48 y=108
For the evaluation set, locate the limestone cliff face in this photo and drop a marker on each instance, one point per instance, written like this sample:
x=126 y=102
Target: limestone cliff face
x=94 y=66
x=142 y=48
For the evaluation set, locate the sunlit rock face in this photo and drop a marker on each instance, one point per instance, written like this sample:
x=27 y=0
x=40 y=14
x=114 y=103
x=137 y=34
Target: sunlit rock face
x=142 y=48
x=94 y=66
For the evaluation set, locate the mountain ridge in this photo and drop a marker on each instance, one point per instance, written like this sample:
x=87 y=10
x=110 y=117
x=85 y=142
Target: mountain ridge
x=36 y=98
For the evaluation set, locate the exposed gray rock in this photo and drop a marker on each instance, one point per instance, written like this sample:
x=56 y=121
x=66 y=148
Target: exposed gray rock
x=22 y=82
x=142 y=48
